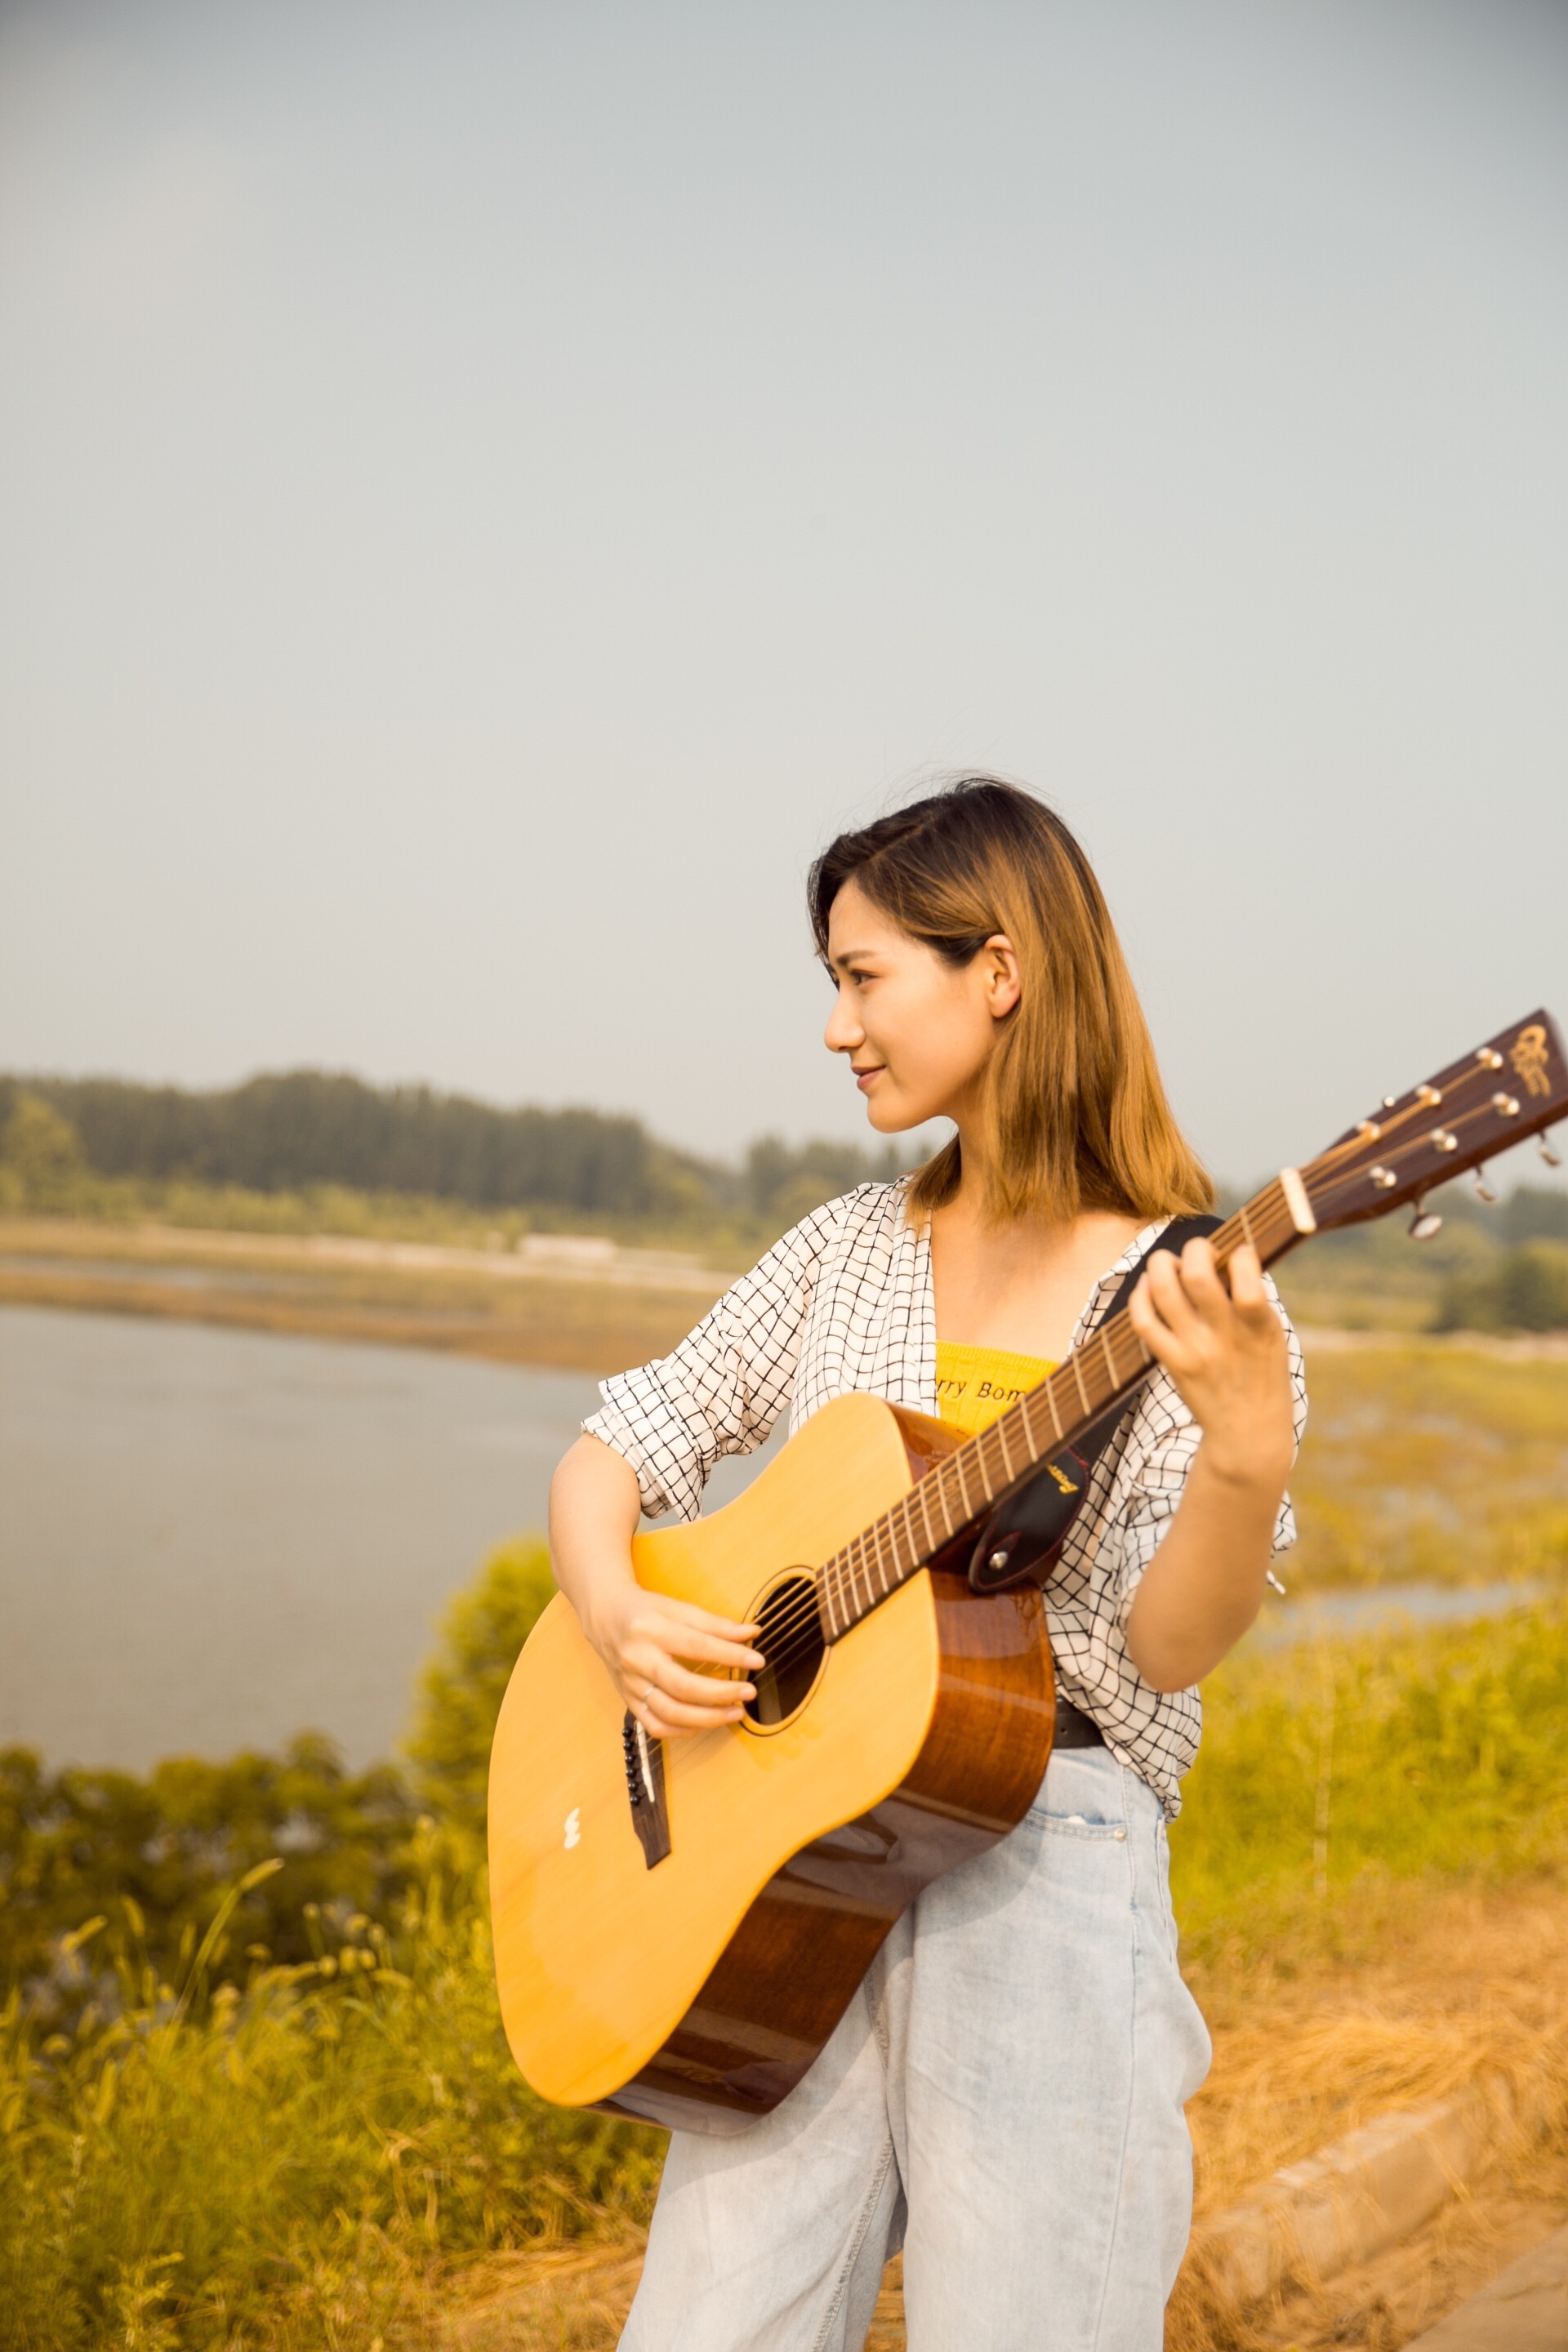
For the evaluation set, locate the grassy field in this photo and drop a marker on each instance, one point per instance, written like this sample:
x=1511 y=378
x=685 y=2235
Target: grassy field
x=1432 y=1459
x=250 y=2112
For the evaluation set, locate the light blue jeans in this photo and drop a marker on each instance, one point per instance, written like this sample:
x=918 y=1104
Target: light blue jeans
x=1003 y=2098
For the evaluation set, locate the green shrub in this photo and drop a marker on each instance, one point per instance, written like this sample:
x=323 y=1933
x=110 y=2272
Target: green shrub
x=74 y=1843
x=462 y=1687
x=1525 y=1290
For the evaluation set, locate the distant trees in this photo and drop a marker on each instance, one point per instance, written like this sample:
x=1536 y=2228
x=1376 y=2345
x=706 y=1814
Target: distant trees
x=1525 y=1289
x=1533 y=1213
x=310 y=1127
x=288 y=1132
x=783 y=1186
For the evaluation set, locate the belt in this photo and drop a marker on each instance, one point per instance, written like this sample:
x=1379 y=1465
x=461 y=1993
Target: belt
x=1074 y=1729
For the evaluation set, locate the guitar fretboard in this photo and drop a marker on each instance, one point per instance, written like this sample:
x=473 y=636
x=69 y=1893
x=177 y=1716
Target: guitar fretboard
x=955 y=1494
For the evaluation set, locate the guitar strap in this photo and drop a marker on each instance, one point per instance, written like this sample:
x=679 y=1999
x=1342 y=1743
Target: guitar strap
x=1022 y=1540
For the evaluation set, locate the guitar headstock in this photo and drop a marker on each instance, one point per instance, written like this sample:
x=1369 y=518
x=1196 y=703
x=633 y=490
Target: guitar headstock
x=1514 y=1085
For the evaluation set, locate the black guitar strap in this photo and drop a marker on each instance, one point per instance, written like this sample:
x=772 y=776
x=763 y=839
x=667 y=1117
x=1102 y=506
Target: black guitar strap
x=1022 y=1540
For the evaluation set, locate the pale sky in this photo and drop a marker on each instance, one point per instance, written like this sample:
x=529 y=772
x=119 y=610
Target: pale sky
x=487 y=490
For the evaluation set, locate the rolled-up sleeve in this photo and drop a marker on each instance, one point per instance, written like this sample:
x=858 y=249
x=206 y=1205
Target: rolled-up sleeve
x=723 y=1387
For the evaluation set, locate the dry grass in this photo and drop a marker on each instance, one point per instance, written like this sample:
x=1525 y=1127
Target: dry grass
x=1476 y=1985
x=1472 y=1984
x=551 y=2299
x=1469 y=1989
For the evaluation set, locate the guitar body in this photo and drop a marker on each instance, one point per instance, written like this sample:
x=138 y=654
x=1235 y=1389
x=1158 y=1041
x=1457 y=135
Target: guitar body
x=697 y=1991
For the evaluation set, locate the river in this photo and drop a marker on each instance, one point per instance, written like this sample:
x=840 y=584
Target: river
x=211 y=1539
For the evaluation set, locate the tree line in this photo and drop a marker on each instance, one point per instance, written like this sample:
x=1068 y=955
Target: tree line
x=288 y=1132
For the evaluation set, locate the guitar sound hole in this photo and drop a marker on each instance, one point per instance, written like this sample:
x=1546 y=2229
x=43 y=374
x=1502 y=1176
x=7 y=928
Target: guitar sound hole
x=791 y=1642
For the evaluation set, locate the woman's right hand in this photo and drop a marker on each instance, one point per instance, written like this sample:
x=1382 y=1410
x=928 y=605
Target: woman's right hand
x=643 y=1637
x=648 y=1641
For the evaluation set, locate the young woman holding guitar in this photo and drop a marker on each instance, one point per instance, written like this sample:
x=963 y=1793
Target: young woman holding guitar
x=1003 y=2097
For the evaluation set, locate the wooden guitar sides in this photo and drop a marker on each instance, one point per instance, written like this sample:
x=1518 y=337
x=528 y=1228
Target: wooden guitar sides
x=701 y=1990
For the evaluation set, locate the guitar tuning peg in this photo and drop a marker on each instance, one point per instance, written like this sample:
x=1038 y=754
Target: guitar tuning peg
x=1483 y=1187
x=1424 y=1223
x=1548 y=1151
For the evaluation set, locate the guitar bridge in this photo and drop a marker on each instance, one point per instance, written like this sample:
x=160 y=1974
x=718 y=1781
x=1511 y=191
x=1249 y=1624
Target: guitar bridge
x=645 y=1789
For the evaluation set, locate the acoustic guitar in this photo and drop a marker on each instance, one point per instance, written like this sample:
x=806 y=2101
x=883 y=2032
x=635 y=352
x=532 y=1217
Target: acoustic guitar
x=679 y=1924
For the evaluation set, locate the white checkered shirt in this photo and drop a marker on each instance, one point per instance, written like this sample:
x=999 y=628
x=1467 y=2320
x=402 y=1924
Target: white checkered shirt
x=844 y=1301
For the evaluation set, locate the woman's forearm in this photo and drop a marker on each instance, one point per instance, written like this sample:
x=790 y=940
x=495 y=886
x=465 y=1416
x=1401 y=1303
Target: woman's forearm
x=594 y=1506
x=1205 y=1585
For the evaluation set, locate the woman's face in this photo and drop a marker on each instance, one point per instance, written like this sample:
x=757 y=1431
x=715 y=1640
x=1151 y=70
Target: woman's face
x=917 y=1030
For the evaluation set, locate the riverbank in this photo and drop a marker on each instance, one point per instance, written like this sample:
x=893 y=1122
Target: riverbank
x=573 y=1302
x=565 y=1302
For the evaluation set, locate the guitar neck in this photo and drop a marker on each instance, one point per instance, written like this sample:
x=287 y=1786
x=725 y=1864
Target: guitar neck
x=956 y=1494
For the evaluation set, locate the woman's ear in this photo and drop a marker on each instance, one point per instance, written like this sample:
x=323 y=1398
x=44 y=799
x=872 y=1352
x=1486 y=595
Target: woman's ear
x=999 y=963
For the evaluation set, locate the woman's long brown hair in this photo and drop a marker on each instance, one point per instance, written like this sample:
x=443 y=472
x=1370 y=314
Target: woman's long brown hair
x=1078 y=1112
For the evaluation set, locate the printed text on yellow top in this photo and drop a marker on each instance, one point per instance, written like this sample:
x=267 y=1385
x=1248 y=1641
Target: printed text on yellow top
x=975 y=1385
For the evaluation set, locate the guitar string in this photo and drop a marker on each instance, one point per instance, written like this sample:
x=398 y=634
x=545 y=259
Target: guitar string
x=799 y=1640
x=1472 y=1073
x=1262 y=1210
x=820 y=1597
x=882 y=1537
x=871 y=1541
x=797 y=1619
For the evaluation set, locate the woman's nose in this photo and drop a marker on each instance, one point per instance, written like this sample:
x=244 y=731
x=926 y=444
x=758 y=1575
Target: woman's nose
x=843 y=1032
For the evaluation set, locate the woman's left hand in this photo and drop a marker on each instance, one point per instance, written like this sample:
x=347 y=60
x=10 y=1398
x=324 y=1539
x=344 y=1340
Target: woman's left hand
x=1225 y=1350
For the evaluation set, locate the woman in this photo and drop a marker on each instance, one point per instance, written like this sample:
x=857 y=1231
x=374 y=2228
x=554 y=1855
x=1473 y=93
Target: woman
x=1005 y=2095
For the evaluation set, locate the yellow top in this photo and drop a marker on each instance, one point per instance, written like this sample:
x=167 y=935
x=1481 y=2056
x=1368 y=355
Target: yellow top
x=974 y=1386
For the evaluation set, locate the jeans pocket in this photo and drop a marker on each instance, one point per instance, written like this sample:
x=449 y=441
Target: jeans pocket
x=1074 y=1825
x=1082 y=1797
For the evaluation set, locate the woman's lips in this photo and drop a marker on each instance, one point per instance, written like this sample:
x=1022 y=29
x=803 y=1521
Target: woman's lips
x=864 y=1077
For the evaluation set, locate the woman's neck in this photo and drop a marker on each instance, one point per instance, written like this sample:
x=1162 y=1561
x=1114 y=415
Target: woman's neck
x=1020 y=1285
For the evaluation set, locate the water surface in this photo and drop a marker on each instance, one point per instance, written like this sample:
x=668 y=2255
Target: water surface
x=210 y=1539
